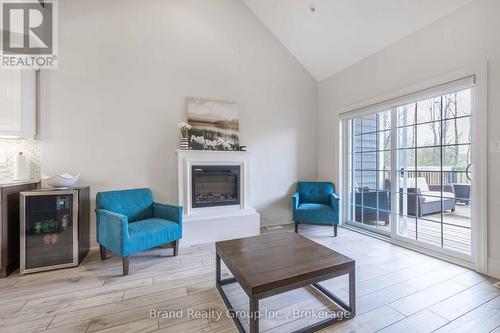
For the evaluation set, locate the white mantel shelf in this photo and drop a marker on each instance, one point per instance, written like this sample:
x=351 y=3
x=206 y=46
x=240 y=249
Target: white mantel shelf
x=204 y=225
x=183 y=151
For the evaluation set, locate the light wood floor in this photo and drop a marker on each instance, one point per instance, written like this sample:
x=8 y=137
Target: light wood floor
x=397 y=291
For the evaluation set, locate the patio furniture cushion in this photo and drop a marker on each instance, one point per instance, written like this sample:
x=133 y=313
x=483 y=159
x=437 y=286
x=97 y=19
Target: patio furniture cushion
x=421 y=183
x=432 y=196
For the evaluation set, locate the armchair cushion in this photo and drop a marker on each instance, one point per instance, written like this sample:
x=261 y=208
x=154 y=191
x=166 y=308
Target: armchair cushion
x=136 y=204
x=316 y=213
x=148 y=233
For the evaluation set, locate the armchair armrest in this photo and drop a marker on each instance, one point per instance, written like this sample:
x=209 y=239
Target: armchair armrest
x=112 y=230
x=167 y=212
x=334 y=201
x=295 y=200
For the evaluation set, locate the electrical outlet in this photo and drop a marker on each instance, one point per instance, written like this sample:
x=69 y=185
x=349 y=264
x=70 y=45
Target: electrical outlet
x=494 y=147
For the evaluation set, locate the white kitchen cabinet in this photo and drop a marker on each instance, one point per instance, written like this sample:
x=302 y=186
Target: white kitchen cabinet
x=17 y=103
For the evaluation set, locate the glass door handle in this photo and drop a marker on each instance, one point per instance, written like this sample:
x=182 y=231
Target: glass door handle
x=467 y=172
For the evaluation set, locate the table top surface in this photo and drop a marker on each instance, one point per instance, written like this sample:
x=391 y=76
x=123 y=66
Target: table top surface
x=268 y=262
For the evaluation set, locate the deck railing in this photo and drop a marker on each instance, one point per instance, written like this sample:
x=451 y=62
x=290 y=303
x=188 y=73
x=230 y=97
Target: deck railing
x=434 y=177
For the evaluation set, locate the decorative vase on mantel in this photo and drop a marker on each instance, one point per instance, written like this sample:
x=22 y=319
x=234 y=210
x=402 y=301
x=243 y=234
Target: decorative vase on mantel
x=184 y=127
x=184 y=144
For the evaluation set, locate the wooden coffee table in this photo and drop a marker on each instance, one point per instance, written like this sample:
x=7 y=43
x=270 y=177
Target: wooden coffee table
x=276 y=263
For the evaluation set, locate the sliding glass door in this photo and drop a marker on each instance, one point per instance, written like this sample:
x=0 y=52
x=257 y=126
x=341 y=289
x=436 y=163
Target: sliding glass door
x=434 y=158
x=409 y=172
x=370 y=171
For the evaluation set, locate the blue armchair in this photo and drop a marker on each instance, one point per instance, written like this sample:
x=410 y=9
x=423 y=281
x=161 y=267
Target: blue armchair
x=316 y=203
x=129 y=221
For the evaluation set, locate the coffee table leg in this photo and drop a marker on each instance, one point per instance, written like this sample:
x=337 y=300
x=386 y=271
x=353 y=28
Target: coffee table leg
x=254 y=315
x=217 y=268
x=352 y=292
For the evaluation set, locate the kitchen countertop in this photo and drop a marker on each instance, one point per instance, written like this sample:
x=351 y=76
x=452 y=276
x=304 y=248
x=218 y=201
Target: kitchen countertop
x=7 y=183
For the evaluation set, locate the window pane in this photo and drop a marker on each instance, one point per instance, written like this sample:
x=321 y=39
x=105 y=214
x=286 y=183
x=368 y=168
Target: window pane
x=432 y=180
x=457 y=104
x=357 y=126
x=384 y=200
x=429 y=134
x=457 y=238
x=456 y=158
x=425 y=181
x=464 y=104
x=358 y=197
x=358 y=214
x=384 y=120
x=369 y=141
x=406 y=226
x=429 y=159
x=370 y=216
x=462 y=192
x=406 y=114
x=406 y=137
x=369 y=161
x=429 y=232
x=430 y=207
x=369 y=180
x=384 y=159
x=385 y=178
x=356 y=161
x=356 y=178
x=406 y=159
x=456 y=131
x=369 y=123
x=384 y=140
x=429 y=110
x=357 y=143
x=409 y=201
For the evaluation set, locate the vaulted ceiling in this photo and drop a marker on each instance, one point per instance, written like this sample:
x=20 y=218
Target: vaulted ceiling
x=339 y=33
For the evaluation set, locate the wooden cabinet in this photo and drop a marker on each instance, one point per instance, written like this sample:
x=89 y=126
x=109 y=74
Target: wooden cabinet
x=17 y=103
x=9 y=225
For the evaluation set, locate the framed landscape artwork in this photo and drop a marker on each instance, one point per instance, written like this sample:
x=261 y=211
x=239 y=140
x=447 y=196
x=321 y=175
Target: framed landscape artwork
x=214 y=125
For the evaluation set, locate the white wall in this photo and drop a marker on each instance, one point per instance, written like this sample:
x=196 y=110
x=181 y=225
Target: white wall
x=125 y=69
x=464 y=38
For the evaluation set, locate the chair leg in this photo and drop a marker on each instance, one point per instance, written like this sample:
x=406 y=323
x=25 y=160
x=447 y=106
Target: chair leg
x=296 y=227
x=176 y=247
x=125 y=265
x=334 y=230
x=102 y=249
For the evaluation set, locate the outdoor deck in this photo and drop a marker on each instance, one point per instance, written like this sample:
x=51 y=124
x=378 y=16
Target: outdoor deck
x=456 y=229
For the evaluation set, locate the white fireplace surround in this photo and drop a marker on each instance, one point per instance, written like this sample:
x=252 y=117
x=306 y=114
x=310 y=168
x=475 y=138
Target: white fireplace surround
x=204 y=225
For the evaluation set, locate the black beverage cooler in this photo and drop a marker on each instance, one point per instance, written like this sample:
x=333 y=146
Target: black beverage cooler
x=54 y=228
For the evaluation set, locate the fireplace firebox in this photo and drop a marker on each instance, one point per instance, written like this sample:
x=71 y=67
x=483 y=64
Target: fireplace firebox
x=215 y=185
